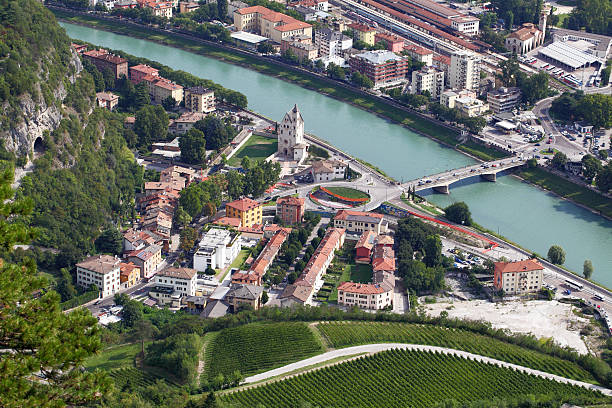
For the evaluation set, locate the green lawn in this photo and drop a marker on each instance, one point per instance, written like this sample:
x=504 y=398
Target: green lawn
x=258 y=148
x=360 y=273
x=567 y=189
x=114 y=357
x=306 y=80
x=348 y=192
x=241 y=258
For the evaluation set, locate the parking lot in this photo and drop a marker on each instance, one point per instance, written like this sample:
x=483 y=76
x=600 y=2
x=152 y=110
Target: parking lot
x=575 y=79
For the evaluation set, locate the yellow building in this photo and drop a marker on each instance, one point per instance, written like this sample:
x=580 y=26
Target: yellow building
x=129 y=274
x=270 y=24
x=364 y=33
x=200 y=99
x=248 y=211
x=161 y=88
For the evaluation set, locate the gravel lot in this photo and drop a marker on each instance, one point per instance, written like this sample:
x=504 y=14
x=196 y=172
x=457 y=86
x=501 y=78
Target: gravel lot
x=541 y=318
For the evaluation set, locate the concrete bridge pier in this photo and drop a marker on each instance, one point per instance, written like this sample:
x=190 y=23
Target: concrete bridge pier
x=441 y=189
x=489 y=177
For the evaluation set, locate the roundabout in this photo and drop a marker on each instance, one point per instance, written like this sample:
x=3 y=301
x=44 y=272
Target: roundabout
x=338 y=197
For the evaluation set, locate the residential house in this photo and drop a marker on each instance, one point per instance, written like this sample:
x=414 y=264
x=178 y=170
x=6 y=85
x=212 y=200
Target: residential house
x=147 y=259
x=372 y=296
x=243 y=294
x=182 y=280
x=185 y=122
x=188 y=6
x=249 y=211
x=448 y=97
x=360 y=221
x=364 y=246
x=140 y=71
x=103 y=60
x=290 y=209
x=270 y=24
x=200 y=99
x=129 y=274
x=428 y=79
x=420 y=54
x=465 y=70
x=261 y=265
x=102 y=271
x=162 y=88
x=382 y=67
x=327 y=170
x=518 y=277
x=363 y=33
x=107 y=100
x=503 y=99
x=393 y=42
x=217 y=249
x=332 y=43
x=195 y=304
x=471 y=107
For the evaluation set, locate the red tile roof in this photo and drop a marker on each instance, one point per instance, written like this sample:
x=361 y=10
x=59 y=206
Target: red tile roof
x=366 y=240
x=243 y=204
x=383 y=259
x=361 y=27
x=520 y=266
x=360 y=288
x=290 y=201
x=344 y=214
x=232 y=222
x=145 y=69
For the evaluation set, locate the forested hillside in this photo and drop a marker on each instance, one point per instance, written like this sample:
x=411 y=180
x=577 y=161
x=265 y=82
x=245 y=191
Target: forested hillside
x=84 y=176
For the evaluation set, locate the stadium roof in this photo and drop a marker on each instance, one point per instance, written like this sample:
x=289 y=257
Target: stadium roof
x=568 y=55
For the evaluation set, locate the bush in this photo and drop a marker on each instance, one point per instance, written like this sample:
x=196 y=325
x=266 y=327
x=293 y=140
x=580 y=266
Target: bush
x=178 y=354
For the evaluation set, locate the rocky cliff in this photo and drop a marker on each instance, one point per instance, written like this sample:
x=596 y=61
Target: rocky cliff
x=36 y=115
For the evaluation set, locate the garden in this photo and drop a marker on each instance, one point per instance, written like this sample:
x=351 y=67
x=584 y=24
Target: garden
x=343 y=195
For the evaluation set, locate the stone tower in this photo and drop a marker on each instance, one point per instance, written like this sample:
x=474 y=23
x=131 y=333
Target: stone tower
x=542 y=23
x=291 y=144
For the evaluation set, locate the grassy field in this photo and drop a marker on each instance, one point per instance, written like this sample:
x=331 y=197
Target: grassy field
x=567 y=189
x=258 y=347
x=401 y=378
x=345 y=334
x=258 y=148
x=374 y=105
x=348 y=192
x=114 y=357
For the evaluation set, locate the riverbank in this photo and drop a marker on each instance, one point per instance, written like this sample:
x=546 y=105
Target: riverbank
x=337 y=90
x=568 y=190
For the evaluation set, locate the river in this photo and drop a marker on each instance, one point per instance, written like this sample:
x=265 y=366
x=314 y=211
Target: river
x=523 y=213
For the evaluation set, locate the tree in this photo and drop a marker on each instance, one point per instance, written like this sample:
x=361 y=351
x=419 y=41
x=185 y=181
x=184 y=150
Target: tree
x=110 y=242
x=65 y=287
x=595 y=16
x=604 y=179
x=433 y=251
x=188 y=236
x=216 y=132
x=556 y=255
x=335 y=71
x=590 y=167
x=181 y=218
x=596 y=109
x=459 y=213
x=245 y=163
x=210 y=271
x=141 y=96
x=235 y=184
x=151 y=125
x=109 y=78
x=265 y=48
x=559 y=161
x=143 y=330
x=42 y=340
x=222 y=9
x=132 y=313
x=264 y=297
x=361 y=80
x=193 y=146
x=587 y=269
x=169 y=103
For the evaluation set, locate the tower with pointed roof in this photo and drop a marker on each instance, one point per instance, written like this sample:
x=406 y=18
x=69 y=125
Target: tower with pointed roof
x=291 y=145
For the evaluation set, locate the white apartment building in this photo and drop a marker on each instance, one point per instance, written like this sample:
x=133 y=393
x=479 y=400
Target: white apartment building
x=503 y=99
x=360 y=221
x=518 y=277
x=181 y=280
x=332 y=43
x=464 y=71
x=102 y=271
x=365 y=295
x=471 y=107
x=218 y=248
x=428 y=79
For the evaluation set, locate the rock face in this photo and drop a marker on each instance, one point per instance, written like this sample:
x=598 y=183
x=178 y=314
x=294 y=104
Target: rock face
x=38 y=117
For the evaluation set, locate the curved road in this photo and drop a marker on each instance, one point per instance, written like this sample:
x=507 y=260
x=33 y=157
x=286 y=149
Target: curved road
x=375 y=348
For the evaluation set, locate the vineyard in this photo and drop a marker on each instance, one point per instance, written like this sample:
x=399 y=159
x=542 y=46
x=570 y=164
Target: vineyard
x=259 y=347
x=131 y=377
x=345 y=334
x=402 y=378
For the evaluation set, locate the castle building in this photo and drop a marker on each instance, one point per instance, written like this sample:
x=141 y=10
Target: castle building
x=291 y=145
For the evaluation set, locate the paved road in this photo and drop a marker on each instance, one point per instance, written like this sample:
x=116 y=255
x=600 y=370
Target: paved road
x=375 y=348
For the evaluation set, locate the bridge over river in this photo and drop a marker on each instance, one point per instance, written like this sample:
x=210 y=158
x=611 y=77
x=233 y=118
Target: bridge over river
x=441 y=182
